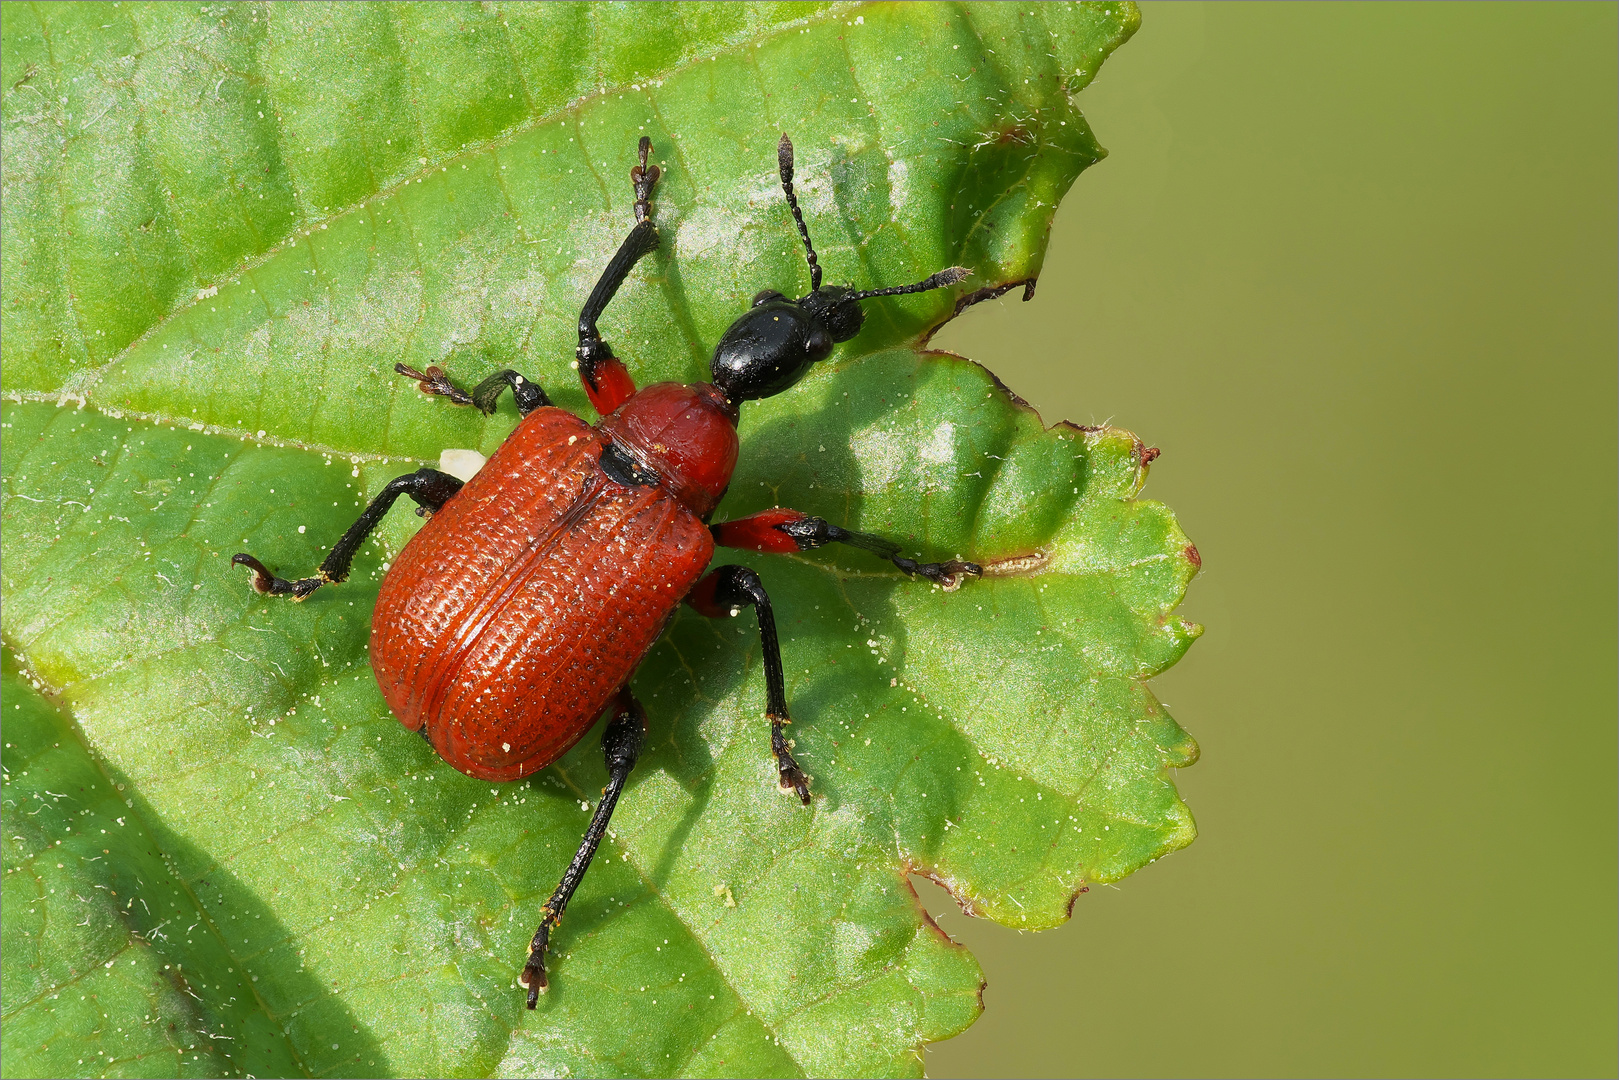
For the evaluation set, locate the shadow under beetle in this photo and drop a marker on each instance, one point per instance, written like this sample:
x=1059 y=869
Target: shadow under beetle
x=519 y=612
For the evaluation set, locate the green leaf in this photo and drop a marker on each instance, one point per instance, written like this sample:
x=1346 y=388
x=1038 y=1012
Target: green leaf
x=224 y=224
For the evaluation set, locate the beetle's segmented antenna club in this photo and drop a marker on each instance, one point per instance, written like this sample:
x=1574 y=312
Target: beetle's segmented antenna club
x=784 y=159
x=932 y=281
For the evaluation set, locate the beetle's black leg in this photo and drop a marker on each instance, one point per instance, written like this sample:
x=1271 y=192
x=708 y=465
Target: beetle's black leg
x=528 y=394
x=783 y=530
x=429 y=487
x=621 y=743
x=725 y=591
x=607 y=382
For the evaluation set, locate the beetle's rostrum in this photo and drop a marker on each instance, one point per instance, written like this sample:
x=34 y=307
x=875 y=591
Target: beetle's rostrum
x=519 y=612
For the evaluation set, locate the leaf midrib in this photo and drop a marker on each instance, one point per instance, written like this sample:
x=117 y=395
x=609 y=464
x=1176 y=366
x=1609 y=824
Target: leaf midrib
x=68 y=397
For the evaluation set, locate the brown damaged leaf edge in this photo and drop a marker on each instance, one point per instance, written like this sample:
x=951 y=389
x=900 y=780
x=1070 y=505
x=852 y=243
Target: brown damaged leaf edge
x=907 y=869
x=1143 y=454
x=1029 y=564
x=988 y=292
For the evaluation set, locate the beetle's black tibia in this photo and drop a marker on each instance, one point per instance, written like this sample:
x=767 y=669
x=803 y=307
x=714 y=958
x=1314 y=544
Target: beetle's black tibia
x=430 y=489
x=593 y=352
x=528 y=394
x=724 y=592
x=621 y=745
x=777 y=341
x=814 y=532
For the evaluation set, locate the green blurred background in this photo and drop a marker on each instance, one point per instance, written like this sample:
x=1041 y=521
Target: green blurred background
x=1352 y=267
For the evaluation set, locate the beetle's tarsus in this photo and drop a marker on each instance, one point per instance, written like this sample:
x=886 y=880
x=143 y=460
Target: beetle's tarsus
x=792 y=778
x=533 y=977
x=947 y=575
x=267 y=584
x=644 y=177
x=434 y=382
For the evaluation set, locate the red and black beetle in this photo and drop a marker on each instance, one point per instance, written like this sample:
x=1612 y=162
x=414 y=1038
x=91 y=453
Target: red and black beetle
x=519 y=612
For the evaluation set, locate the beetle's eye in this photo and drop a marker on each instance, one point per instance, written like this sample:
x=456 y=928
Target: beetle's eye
x=764 y=296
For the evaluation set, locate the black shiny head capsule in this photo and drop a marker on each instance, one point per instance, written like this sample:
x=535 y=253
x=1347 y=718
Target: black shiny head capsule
x=773 y=345
x=769 y=349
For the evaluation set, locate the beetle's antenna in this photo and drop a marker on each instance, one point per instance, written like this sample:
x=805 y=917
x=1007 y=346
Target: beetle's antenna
x=784 y=158
x=932 y=281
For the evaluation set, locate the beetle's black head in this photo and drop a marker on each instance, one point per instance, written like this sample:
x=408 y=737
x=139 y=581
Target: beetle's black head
x=773 y=345
x=769 y=348
x=837 y=308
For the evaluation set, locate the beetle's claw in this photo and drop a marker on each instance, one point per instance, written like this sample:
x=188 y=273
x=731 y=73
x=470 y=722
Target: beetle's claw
x=267 y=584
x=954 y=572
x=946 y=575
x=792 y=778
x=262 y=581
x=533 y=978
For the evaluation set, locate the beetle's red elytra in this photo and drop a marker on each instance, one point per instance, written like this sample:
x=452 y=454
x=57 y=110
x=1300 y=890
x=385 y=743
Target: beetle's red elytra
x=517 y=615
x=505 y=650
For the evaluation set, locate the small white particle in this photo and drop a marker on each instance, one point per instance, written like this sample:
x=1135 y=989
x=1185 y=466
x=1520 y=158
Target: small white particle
x=461 y=464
